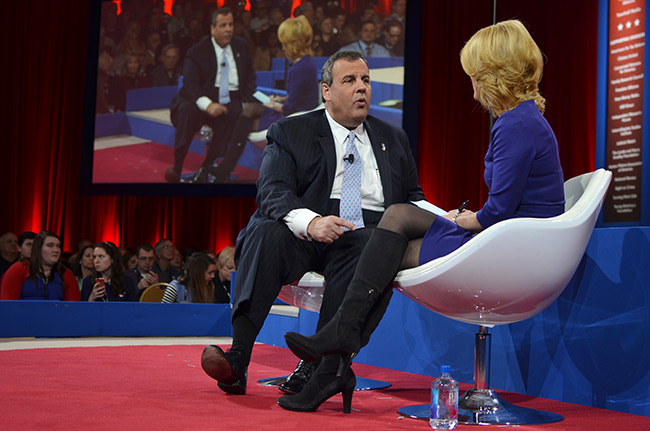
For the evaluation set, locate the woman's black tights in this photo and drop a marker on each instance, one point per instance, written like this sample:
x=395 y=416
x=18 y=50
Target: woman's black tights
x=412 y=222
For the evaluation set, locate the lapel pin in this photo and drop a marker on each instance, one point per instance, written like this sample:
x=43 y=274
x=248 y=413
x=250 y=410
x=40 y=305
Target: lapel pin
x=383 y=147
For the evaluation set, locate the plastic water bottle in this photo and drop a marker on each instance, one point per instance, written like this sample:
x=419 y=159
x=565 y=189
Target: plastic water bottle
x=444 y=401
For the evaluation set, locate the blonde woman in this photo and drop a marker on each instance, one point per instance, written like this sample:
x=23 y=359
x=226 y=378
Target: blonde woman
x=522 y=172
x=296 y=35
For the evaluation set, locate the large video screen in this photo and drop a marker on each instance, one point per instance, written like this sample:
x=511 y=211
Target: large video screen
x=136 y=67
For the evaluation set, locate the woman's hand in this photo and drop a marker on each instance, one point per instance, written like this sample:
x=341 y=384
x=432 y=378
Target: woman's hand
x=468 y=221
x=99 y=290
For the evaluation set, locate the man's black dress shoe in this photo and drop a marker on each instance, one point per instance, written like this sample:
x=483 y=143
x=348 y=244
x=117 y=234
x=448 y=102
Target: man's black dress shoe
x=229 y=369
x=201 y=176
x=171 y=176
x=220 y=174
x=299 y=378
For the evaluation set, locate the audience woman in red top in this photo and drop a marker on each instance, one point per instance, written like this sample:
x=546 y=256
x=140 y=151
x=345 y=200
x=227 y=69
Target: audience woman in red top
x=43 y=277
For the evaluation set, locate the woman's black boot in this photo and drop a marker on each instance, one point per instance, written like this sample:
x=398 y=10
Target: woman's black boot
x=377 y=266
x=323 y=385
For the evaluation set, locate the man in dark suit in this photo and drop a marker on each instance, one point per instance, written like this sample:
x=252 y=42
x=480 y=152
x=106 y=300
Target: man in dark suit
x=143 y=275
x=297 y=227
x=211 y=97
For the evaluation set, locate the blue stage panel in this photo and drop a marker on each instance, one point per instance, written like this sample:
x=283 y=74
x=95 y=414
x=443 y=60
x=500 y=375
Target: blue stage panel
x=590 y=347
x=112 y=319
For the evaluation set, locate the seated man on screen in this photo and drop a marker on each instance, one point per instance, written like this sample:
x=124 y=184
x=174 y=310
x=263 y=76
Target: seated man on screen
x=218 y=86
x=305 y=177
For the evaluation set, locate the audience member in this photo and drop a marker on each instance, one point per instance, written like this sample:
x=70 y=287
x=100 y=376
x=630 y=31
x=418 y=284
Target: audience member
x=129 y=79
x=363 y=14
x=43 y=277
x=268 y=48
x=348 y=35
x=306 y=9
x=339 y=17
x=260 y=20
x=129 y=45
x=8 y=251
x=196 y=284
x=199 y=101
x=25 y=242
x=398 y=12
x=392 y=38
x=85 y=265
x=366 y=43
x=178 y=261
x=143 y=275
x=81 y=244
x=275 y=17
x=168 y=71
x=176 y=26
x=326 y=42
x=129 y=260
x=152 y=51
x=225 y=265
x=156 y=24
x=103 y=104
x=166 y=253
x=194 y=35
x=107 y=282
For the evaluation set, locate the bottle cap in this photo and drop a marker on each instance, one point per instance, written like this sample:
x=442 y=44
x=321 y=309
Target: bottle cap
x=445 y=369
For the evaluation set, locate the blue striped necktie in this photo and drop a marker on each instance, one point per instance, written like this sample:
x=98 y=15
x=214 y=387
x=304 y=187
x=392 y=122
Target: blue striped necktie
x=350 y=207
x=224 y=91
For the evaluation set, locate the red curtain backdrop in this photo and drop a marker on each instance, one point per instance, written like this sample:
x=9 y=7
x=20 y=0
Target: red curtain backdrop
x=44 y=75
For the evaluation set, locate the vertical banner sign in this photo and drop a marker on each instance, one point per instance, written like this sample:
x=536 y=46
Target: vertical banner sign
x=625 y=109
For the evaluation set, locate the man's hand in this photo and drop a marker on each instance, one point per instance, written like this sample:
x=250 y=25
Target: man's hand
x=215 y=109
x=328 y=229
x=148 y=280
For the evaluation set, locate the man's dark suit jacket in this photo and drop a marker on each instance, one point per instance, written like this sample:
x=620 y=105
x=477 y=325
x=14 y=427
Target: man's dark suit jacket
x=200 y=72
x=299 y=164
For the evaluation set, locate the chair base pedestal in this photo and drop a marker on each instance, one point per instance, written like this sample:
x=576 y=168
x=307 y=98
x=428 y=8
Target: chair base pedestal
x=363 y=384
x=486 y=407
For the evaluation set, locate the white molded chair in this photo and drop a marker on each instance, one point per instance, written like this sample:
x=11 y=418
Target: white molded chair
x=509 y=272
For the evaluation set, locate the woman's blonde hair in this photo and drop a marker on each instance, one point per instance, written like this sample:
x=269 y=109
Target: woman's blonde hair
x=506 y=64
x=296 y=35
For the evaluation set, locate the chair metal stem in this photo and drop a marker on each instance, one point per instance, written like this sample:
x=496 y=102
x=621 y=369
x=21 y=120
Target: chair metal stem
x=482 y=355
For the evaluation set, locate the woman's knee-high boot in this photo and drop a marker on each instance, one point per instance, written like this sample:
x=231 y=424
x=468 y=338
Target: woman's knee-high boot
x=378 y=264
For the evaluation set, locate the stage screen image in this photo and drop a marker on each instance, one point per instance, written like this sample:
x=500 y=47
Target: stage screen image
x=136 y=71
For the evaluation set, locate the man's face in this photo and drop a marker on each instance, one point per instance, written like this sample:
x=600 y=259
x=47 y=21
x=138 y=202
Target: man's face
x=348 y=97
x=222 y=32
x=368 y=32
x=9 y=245
x=145 y=261
x=167 y=251
x=393 y=35
x=399 y=7
x=26 y=249
x=170 y=58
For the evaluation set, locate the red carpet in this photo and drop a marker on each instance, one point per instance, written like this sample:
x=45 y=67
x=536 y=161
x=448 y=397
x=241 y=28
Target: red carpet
x=164 y=388
x=147 y=163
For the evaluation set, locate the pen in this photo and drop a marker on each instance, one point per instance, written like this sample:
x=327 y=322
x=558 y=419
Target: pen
x=460 y=210
x=462 y=207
